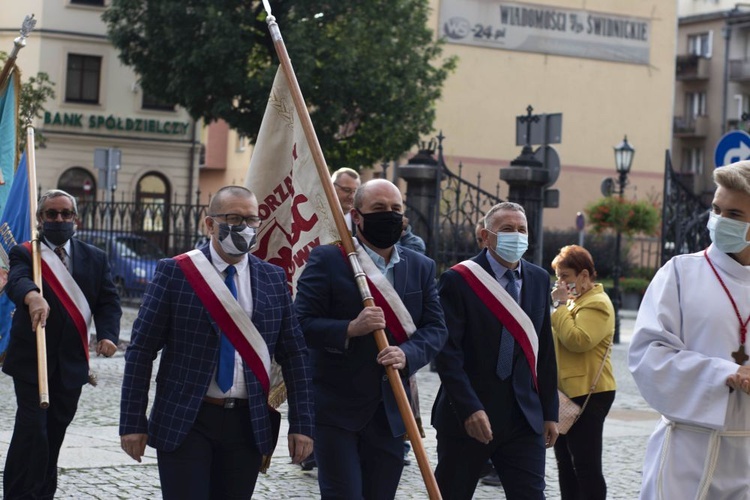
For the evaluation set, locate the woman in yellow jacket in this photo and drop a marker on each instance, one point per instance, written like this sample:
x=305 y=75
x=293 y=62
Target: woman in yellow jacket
x=583 y=326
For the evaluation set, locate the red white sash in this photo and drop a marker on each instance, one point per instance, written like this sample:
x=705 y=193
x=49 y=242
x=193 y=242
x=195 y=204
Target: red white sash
x=397 y=317
x=228 y=314
x=67 y=291
x=505 y=309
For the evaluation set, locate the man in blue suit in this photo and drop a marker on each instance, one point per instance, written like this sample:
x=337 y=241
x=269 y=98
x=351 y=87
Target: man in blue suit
x=359 y=431
x=210 y=422
x=498 y=397
x=82 y=287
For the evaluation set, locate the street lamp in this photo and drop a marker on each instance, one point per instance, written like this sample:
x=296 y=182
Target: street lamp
x=623 y=160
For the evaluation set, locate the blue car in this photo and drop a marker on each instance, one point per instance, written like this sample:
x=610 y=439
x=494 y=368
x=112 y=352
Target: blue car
x=132 y=258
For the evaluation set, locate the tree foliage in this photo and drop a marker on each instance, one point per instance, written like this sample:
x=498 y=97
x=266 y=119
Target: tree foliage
x=370 y=71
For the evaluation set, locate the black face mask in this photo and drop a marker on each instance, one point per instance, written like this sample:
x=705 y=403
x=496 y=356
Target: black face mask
x=382 y=229
x=58 y=233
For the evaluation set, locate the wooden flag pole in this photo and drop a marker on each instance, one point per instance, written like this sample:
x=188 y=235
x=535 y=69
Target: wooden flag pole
x=36 y=260
x=346 y=241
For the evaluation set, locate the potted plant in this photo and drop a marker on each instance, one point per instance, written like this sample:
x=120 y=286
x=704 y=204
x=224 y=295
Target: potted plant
x=632 y=290
x=628 y=217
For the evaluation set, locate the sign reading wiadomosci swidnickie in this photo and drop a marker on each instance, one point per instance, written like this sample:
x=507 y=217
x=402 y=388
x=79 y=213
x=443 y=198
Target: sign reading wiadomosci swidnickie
x=545 y=29
x=111 y=123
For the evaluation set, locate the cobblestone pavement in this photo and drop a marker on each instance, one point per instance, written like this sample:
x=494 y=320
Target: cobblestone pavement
x=92 y=466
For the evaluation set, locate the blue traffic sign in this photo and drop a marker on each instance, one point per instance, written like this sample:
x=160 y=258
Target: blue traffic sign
x=733 y=146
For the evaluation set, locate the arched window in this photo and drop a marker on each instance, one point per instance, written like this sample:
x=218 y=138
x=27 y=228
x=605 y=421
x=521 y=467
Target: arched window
x=152 y=201
x=78 y=182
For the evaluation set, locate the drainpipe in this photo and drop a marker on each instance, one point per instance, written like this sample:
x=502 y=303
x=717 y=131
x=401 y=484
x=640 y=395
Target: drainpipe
x=191 y=168
x=727 y=33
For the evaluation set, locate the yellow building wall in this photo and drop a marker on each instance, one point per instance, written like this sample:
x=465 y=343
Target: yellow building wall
x=601 y=101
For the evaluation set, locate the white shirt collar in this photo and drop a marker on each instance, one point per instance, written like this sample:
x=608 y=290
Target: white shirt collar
x=221 y=265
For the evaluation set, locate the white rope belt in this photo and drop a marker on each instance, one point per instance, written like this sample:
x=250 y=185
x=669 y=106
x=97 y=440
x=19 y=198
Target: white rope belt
x=709 y=466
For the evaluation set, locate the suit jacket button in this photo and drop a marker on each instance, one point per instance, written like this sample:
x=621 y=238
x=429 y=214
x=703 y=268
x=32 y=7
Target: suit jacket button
x=385 y=378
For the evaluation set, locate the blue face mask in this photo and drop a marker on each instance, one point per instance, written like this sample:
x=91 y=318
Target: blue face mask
x=511 y=246
x=728 y=235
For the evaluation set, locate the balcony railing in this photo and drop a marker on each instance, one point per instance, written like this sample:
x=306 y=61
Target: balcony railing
x=690 y=126
x=692 y=67
x=739 y=70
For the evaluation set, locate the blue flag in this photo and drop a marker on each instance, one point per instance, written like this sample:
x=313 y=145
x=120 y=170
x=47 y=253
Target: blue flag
x=15 y=227
x=8 y=137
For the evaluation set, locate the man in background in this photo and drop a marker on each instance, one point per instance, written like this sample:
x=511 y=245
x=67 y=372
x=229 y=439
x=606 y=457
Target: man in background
x=346 y=181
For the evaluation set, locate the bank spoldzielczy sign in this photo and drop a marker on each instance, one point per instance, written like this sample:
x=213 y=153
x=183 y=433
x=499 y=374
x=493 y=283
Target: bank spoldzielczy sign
x=112 y=123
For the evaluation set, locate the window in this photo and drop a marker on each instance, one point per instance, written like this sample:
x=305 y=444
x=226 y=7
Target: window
x=152 y=102
x=82 y=84
x=700 y=44
x=78 y=182
x=695 y=104
x=692 y=160
x=96 y=3
x=152 y=196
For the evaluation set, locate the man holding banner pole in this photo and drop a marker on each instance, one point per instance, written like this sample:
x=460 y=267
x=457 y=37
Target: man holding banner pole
x=77 y=288
x=359 y=430
x=218 y=315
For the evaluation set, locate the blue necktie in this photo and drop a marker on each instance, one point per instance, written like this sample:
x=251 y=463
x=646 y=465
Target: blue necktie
x=507 y=342
x=225 y=372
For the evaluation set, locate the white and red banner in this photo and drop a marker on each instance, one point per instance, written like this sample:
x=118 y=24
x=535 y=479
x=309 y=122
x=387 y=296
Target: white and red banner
x=505 y=309
x=67 y=292
x=397 y=318
x=227 y=313
x=291 y=201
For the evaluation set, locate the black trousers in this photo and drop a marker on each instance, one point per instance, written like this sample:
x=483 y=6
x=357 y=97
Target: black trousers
x=359 y=464
x=31 y=465
x=217 y=460
x=579 y=452
x=516 y=451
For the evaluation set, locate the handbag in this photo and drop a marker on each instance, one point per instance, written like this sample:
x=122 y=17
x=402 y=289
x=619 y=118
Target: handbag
x=569 y=411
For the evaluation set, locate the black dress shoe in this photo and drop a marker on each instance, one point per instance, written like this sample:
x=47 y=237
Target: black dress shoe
x=308 y=463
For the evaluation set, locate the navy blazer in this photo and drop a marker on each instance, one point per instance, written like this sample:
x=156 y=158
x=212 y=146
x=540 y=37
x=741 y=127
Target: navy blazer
x=349 y=383
x=173 y=320
x=66 y=357
x=468 y=363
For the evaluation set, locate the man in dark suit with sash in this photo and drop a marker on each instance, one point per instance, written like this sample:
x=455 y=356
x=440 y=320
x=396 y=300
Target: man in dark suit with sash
x=77 y=286
x=498 y=397
x=218 y=315
x=359 y=430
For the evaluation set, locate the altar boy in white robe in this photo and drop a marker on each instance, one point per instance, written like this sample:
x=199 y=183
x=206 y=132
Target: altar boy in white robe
x=688 y=357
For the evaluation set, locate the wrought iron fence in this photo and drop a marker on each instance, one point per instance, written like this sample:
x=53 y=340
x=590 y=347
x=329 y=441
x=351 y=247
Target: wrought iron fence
x=684 y=217
x=136 y=235
x=449 y=224
x=462 y=204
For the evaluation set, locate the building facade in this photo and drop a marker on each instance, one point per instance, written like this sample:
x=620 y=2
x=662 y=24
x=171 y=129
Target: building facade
x=606 y=66
x=99 y=105
x=712 y=89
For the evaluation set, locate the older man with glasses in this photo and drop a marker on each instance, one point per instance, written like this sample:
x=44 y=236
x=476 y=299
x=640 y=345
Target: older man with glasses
x=76 y=283
x=218 y=315
x=346 y=181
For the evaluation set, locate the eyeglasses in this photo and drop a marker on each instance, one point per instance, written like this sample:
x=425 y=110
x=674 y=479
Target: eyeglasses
x=65 y=214
x=345 y=189
x=237 y=219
